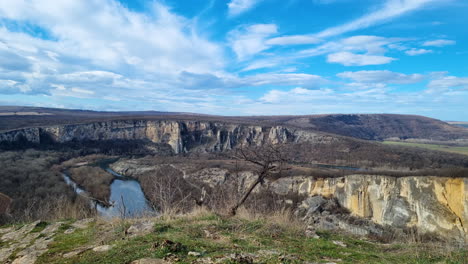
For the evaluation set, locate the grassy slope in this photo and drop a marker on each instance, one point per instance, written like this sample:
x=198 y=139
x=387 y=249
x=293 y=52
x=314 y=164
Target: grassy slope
x=285 y=242
x=445 y=148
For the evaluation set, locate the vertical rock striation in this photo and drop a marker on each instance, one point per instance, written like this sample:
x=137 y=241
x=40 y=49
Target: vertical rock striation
x=432 y=204
x=182 y=136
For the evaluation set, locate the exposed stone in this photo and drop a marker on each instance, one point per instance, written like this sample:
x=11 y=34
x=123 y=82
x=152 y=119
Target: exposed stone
x=75 y=253
x=140 y=228
x=83 y=223
x=69 y=231
x=339 y=243
x=28 y=253
x=102 y=248
x=312 y=204
x=241 y=258
x=149 y=261
x=431 y=204
x=194 y=254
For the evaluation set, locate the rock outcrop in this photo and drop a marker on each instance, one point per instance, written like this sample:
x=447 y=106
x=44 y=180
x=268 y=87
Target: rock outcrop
x=432 y=204
x=182 y=136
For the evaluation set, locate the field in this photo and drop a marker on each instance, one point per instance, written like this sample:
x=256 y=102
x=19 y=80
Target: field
x=445 y=148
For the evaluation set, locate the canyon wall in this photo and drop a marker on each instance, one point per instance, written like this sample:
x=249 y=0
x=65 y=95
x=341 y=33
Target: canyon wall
x=182 y=136
x=432 y=204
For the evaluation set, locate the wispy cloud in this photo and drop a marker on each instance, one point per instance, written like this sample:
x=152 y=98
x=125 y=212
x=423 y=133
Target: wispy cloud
x=445 y=83
x=439 y=43
x=416 y=52
x=391 y=9
x=383 y=76
x=351 y=59
x=293 y=40
x=249 y=40
x=237 y=7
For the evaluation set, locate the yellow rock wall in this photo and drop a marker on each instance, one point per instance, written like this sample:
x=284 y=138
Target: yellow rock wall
x=433 y=204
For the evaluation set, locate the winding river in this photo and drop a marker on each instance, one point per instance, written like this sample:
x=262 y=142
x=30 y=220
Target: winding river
x=127 y=197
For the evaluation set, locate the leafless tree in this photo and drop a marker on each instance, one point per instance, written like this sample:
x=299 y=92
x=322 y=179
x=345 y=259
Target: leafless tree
x=168 y=191
x=268 y=159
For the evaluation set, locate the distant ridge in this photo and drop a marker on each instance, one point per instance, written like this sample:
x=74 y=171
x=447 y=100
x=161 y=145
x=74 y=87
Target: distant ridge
x=362 y=126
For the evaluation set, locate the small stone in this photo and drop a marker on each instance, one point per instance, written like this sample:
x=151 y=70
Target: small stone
x=102 y=248
x=69 y=231
x=74 y=253
x=241 y=258
x=311 y=234
x=140 y=228
x=339 y=243
x=149 y=261
x=171 y=258
x=265 y=252
x=194 y=254
x=83 y=223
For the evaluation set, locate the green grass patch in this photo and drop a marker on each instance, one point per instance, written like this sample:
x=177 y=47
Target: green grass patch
x=217 y=237
x=445 y=148
x=39 y=227
x=64 y=243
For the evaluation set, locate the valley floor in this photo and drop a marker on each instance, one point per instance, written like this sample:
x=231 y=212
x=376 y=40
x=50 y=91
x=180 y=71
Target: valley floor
x=202 y=238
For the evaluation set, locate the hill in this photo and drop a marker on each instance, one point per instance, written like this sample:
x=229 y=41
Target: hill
x=362 y=126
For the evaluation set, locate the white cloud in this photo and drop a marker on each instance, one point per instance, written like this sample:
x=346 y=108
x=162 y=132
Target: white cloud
x=250 y=40
x=439 y=43
x=83 y=91
x=295 y=95
x=391 y=9
x=237 y=7
x=92 y=40
x=372 y=45
x=296 y=79
x=293 y=40
x=385 y=76
x=351 y=59
x=445 y=83
x=416 y=52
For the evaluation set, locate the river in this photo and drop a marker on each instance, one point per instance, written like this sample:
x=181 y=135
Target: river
x=127 y=197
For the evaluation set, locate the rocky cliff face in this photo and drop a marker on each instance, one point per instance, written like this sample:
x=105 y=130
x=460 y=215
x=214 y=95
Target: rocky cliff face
x=182 y=136
x=432 y=204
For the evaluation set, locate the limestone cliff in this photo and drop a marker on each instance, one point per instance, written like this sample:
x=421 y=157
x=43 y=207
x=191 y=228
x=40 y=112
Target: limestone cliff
x=432 y=204
x=182 y=136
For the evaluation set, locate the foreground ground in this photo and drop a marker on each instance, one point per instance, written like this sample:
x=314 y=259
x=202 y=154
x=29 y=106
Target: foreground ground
x=202 y=238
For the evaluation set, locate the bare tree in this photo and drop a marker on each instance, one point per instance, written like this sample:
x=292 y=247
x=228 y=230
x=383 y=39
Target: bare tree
x=268 y=159
x=169 y=192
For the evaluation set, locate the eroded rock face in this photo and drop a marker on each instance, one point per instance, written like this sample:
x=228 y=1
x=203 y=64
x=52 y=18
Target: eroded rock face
x=182 y=136
x=432 y=204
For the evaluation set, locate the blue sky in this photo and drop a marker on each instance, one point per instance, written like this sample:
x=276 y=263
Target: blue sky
x=237 y=57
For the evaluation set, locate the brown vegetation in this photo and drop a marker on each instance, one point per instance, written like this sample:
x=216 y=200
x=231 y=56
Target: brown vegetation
x=94 y=180
x=268 y=159
x=38 y=192
x=5 y=202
